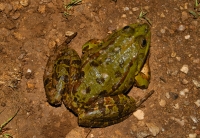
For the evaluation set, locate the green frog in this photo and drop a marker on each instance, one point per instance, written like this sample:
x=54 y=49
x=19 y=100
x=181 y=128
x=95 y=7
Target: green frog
x=95 y=86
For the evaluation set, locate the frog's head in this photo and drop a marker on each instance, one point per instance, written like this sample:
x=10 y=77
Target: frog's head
x=141 y=35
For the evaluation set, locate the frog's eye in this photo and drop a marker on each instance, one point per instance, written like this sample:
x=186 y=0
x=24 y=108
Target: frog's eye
x=128 y=30
x=144 y=42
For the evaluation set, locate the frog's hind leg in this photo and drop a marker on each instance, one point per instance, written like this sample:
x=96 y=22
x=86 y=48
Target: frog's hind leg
x=107 y=111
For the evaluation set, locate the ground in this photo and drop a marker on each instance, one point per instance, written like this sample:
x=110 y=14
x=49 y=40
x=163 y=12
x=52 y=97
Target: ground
x=30 y=29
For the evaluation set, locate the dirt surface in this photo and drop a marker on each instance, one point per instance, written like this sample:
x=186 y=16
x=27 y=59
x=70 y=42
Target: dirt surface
x=30 y=29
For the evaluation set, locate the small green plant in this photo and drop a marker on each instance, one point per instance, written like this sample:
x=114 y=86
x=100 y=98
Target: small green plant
x=142 y=15
x=69 y=6
x=3 y=129
x=196 y=12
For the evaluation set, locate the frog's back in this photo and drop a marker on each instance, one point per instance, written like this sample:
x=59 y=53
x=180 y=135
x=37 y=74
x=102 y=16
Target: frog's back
x=111 y=68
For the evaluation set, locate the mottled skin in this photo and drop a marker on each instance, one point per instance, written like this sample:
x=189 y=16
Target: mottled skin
x=95 y=86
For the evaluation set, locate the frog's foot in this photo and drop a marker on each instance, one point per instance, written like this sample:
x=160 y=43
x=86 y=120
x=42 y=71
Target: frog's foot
x=107 y=111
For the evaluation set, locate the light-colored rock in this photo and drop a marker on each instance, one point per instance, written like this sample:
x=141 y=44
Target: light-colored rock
x=196 y=83
x=153 y=128
x=194 y=135
x=187 y=37
x=139 y=114
x=24 y=2
x=162 y=103
x=197 y=103
x=184 y=91
x=184 y=69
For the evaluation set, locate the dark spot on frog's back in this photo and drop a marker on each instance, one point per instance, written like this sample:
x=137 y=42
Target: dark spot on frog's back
x=118 y=74
x=100 y=80
x=94 y=64
x=76 y=62
x=88 y=89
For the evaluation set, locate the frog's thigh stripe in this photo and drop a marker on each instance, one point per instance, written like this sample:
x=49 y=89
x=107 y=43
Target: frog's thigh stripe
x=107 y=111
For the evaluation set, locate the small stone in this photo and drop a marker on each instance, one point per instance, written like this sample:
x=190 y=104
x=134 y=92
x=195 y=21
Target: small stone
x=139 y=114
x=123 y=15
x=42 y=8
x=69 y=33
x=126 y=8
x=18 y=36
x=162 y=31
x=16 y=15
x=196 y=61
x=173 y=54
x=167 y=95
x=162 y=15
x=187 y=37
x=30 y=85
x=181 y=28
x=2 y=6
x=197 y=103
x=194 y=135
x=135 y=9
x=184 y=69
x=24 y=2
x=184 y=16
x=184 y=81
x=153 y=128
x=182 y=92
x=180 y=122
x=162 y=103
x=194 y=119
x=178 y=58
x=176 y=106
x=196 y=83
x=173 y=95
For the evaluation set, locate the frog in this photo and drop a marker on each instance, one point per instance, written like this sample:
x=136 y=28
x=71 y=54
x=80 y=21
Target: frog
x=95 y=85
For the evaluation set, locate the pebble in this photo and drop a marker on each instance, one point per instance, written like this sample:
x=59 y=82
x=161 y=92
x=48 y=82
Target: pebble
x=176 y=106
x=162 y=31
x=194 y=119
x=162 y=103
x=182 y=92
x=196 y=83
x=187 y=37
x=126 y=8
x=180 y=122
x=139 y=114
x=184 y=69
x=123 y=15
x=2 y=6
x=178 y=58
x=153 y=128
x=135 y=9
x=16 y=15
x=30 y=85
x=184 y=81
x=193 y=135
x=167 y=95
x=41 y=8
x=69 y=33
x=184 y=16
x=197 y=103
x=196 y=60
x=24 y=2
x=181 y=28
x=173 y=54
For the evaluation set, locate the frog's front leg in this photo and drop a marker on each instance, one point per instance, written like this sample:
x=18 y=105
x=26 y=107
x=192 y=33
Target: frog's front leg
x=142 y=80
x=107 y=111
